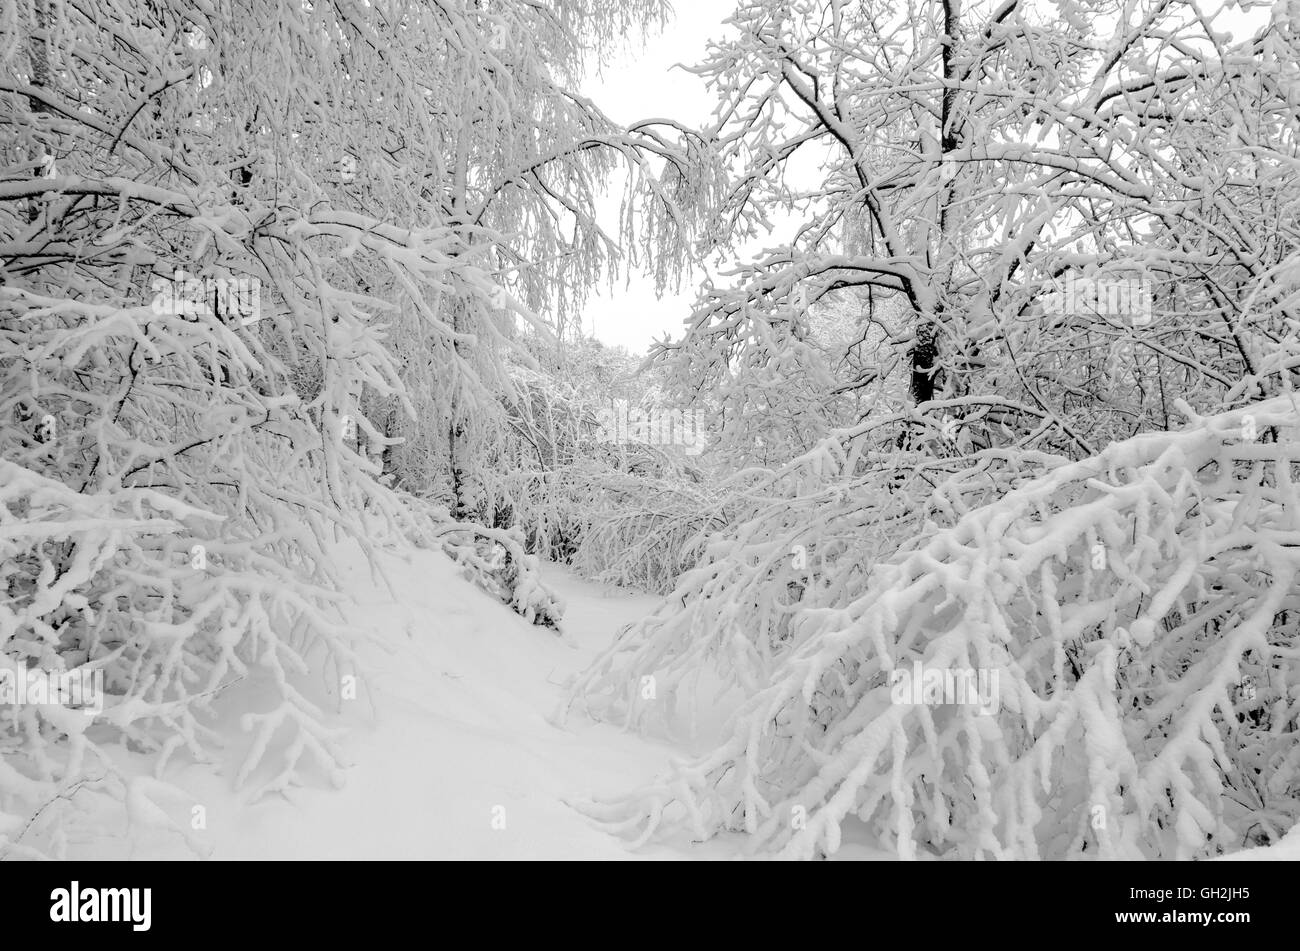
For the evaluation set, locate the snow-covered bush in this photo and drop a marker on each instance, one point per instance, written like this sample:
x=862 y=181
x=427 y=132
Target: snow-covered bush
x=1135 y=615
x=495 y=559
x=644 y=531
x=627 y=511
x=780 y=548
x=170 y=604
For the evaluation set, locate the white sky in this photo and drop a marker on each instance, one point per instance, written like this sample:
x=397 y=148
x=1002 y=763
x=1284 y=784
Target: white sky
x=644 y=85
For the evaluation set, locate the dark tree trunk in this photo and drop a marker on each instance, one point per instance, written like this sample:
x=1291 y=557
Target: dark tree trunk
x=925 y=353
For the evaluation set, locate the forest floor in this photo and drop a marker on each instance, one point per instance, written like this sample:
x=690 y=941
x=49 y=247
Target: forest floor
x=452 y=754
x=451 y=748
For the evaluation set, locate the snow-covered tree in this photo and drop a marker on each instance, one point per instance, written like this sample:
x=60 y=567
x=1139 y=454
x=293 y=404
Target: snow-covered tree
x=238 y=243
x=1120 y=635
x=1046 y=225
x=521 y=161
x=952 y=171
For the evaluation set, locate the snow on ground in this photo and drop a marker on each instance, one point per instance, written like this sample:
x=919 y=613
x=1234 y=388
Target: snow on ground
x=1286 y=849
x=460 y=737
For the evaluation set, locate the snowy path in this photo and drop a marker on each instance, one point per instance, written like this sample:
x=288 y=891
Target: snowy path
x=460 y=738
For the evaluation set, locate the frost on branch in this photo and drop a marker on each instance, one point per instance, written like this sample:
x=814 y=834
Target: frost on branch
x=1136 y=614
x=152 y=593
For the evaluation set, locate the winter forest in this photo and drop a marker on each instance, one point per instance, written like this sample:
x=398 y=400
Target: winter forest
x=957 y=516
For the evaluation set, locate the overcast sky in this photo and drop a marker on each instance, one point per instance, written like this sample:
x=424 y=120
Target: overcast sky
x=643 y=85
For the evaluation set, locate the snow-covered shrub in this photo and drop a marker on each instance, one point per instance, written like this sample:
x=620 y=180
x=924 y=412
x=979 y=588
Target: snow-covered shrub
x=609 y=524
x=172 y=604
x=619 y=510
x=778 y=549
x=496 y=561
x=645 y=531
x=493 y=558
x=1136 y=614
